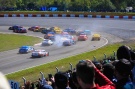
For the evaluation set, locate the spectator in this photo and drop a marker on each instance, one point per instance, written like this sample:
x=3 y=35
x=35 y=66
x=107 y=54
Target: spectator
x=47 y=86
x=27 y=85
x=86 y=75
x=51 y=79
x=123 y=52
x=122 y=72
x=4 y=82
x=75 y=82
x=108 y=71
x=62 y=80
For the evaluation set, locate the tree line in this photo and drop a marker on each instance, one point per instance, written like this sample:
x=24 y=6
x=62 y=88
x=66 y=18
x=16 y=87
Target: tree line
x=71 y=5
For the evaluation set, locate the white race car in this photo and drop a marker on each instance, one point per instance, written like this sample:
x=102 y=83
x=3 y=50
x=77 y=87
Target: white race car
x=47 y=42
x=39 y=53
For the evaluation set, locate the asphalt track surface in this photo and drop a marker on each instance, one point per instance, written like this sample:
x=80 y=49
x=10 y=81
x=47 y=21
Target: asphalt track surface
x=111 y=30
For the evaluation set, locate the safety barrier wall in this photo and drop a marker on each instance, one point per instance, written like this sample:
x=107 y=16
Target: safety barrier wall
x=67 y=15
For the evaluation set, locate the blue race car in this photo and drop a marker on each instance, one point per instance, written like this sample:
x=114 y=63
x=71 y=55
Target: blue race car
x=70 y=31
x=68 y=42
x=87 y=32
x=20 y=30
x=26 y=49
x=14 y=27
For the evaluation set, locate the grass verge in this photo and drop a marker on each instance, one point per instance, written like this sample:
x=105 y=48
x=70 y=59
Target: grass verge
x=13 y=41
x=34 y=73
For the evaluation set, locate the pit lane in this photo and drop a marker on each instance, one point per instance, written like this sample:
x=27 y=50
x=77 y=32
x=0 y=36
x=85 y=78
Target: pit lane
x=110 y=29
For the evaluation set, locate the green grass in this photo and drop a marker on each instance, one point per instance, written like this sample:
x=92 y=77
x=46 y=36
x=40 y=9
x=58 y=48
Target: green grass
x=12 y=41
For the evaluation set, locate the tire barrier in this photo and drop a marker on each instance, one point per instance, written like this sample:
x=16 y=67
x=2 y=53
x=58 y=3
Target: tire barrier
x=67 y=15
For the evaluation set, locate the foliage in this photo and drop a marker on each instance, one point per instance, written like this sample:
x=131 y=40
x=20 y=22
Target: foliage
x=73 y=5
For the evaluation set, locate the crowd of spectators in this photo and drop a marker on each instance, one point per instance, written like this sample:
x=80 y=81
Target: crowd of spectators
x=110 y=73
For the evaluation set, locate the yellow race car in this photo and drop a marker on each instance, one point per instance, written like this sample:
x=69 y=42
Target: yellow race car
x=96 y=37
x=56 y=29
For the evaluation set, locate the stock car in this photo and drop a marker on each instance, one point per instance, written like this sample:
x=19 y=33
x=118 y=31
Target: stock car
x=56 y=29
x=70 y=37
x=79 y=32
x=46 y=30
x=70 y=31
x=20 y=30
x=14 y=27
x=50 y=35
x=34 y=28
x=87 y=32
x=64 y=33
x=46 y=42
x=39 y=53
x=96 y=37
x=68 y=42
x=26 y=49
x=82 y=37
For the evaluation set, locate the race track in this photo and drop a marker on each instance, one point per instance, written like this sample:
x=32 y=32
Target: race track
x=113 y=30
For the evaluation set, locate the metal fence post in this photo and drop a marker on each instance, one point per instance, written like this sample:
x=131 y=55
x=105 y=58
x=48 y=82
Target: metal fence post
x=105 y=56
x=42 y=75
x=71 y=66
x=94 y=58
x=24 y=80
x=57 y=69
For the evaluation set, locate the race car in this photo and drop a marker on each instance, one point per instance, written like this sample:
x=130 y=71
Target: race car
x=47 y=42
x=96 y=37
x=70 y=31
x=34 y=28
x=26 y=49
x=57 y=30
x=50 y=36
x=14 y=27
x=87 y=32
x=39 y=53
x=79 y=32
x=69 y=37
x=64 y=33
x=82 y=37
x=46 y=30
x=20 y=30
x=68 y=42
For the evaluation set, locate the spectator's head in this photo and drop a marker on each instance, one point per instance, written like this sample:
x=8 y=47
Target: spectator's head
x=123 y=52
x=123 y=68
x=98 y=66
x=132 y=53
x=75 y=84
x=85 y=73
x=46 y=86
x=108 y=70
x=61 y=80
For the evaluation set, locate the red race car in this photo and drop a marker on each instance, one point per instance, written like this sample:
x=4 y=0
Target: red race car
x=33 y=28
x=82 y=37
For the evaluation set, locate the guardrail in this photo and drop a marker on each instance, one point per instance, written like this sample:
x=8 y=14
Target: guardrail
x=67 y=15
